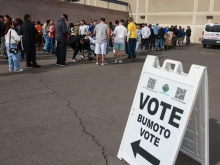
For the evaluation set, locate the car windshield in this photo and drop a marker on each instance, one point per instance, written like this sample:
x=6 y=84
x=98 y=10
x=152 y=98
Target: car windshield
x=212 y=28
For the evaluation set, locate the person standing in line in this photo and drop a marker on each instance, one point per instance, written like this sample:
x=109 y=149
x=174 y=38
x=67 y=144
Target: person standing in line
x=102 y=32
x=184 y=35
x=138 y=30
x=155 y=28
x=61 y=33
x=12 y=39
x=151 y=38
x=83 y=29
x=188 y=35
x=29 y=32
x=19 y=23
x=5 y=29
x=131 y=39
x=180 y=36
x=146 y=32
x=39 y=35
x=160 y=38
x=120 y=33
x=52 y=36
x=2 y=34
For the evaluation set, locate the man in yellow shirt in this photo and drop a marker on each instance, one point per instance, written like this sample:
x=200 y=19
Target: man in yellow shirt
x=131 y=39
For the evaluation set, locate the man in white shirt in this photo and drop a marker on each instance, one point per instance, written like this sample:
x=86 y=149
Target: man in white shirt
x=83 y=28
x=146 y=32
x=120 y=34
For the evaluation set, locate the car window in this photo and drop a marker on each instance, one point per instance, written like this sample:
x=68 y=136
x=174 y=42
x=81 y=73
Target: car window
x=213 y=28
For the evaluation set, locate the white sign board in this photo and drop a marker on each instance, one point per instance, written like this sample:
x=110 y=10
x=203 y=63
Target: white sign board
x=160 y=113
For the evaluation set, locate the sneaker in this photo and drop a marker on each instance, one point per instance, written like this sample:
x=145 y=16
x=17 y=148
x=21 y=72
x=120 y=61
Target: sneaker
x=57 y=64
x=11 y=70
x=74 y=60
x=105 y=63
x=134 y=59
x=120 y=62
x=64 y=64
x=97 y=63
x=19 y=70
x=116 y=61
x=102 y=64
x=82 y=57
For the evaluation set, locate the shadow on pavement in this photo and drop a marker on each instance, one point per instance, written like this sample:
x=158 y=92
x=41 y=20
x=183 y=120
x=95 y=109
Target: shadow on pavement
x=214 y=140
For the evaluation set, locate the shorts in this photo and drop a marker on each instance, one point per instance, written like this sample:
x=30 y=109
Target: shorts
x=101 y=48
x=119 y=46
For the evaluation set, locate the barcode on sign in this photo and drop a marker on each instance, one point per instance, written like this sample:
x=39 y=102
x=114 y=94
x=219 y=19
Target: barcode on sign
x=151 y=83
x=180 y=94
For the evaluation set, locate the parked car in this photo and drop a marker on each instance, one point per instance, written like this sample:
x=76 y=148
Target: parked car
x=211 y=35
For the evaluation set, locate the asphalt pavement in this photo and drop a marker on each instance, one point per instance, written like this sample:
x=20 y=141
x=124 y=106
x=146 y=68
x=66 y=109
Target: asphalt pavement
x=76 y=115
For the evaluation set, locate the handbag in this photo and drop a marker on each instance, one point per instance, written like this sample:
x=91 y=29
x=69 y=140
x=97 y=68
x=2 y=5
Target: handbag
x=12 y=50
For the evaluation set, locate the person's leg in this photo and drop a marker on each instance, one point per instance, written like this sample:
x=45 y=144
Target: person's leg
x=63 y=52
x=58 y=52
x=186 y=40
x=97 y=52
x=129 y=49
x=142 y=43
x=104 y=51
x=16 y=61
x=147 y=44
x=126 y=48
x=2 y=45
x=52 y=45
x=45 y=44
x=134 y=41
x=157 y=44
x=48 y=45
x=27 y=53
x=10 y=59
x=122 y=48
x=160 y=43
x=189 y=41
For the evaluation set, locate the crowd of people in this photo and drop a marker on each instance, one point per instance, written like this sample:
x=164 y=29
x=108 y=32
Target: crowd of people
x=21 y=39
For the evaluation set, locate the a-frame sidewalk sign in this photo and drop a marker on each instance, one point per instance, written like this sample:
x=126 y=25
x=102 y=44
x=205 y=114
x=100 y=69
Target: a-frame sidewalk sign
x=170 y=113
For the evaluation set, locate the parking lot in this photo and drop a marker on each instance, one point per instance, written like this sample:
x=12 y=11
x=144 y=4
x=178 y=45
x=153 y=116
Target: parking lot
x=76 y=115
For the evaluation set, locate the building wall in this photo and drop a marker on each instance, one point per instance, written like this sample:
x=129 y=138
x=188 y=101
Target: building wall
x=39 y=10
x=170 y=12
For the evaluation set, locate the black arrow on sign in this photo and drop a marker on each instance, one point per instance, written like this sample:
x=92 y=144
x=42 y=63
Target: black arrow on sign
x=146 y=155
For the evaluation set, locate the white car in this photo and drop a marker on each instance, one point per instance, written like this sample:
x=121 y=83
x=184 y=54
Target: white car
x=211 y=35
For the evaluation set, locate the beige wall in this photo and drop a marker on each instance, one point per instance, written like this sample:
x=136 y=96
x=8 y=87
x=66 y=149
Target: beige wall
x=169 y=12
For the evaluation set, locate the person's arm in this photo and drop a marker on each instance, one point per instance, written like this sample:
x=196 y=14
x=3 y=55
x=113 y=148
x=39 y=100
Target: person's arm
x=94 y=31
x=15 y=35
x=33 y=29
x=64 y=28
x=80 y=30
x=108 y=33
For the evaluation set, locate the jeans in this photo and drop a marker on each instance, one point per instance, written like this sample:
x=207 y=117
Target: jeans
x=137 y=44
x=30 y=51
x=46 y=38
x=145 y=42
x=76 y=49
x=13 y=59
x=61 y=52
x=131 y=48
x=159 y=43
x=50 y=44
x=2 y=45
x=187 y=40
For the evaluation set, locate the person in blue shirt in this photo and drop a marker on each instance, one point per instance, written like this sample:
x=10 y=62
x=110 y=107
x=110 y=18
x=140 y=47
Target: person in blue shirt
x=165 y=30
x=155 y=29
x=180 y=36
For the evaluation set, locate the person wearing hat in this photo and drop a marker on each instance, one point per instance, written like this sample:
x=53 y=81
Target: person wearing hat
x=61 y=32
x=131 y=39
x=120 y=33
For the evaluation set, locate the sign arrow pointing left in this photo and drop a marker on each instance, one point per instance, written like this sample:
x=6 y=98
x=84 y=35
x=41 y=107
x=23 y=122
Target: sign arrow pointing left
x=137 y=149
